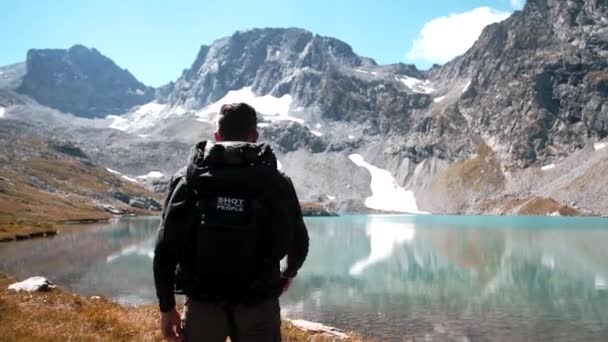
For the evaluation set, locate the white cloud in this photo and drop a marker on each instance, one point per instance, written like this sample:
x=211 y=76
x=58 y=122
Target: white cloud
x=444 y=38
x=517 y=4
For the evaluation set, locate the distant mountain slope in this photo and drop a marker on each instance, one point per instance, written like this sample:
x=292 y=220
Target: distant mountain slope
x=44 y=182
x=81 y=81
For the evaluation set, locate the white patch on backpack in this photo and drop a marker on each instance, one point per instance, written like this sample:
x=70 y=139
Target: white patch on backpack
x=230 y=204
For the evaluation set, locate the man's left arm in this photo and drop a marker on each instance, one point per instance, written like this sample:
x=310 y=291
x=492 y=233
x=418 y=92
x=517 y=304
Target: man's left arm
x=175 y=216
x=298 y=247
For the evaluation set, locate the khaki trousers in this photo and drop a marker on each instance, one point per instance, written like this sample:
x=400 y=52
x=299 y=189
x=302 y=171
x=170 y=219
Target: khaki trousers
x=214 y=322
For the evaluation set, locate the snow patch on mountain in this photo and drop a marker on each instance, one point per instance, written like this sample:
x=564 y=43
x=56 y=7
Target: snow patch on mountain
x=122 y=175
x=600 y=146
x=548 y=167
x=466 y=87
x=416 y=85
x=151 y=174
x=2 y=111
x=118 y=122
x=386 y=194
x=144 y=116
x=439 y=99
x=130 y=179
x=270 y=107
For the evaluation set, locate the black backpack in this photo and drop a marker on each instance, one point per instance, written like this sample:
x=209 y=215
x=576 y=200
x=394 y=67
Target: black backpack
x=239 y=231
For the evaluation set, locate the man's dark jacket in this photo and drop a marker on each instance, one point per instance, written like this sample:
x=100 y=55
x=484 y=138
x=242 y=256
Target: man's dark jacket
x=228 y=168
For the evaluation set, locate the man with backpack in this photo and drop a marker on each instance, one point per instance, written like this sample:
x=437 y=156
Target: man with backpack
x=227 y=222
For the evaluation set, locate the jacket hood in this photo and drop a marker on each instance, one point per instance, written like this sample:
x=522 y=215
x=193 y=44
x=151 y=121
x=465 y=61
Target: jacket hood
x=207 y=154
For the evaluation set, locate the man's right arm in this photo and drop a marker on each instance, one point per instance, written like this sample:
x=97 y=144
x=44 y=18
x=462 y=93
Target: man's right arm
x=176 y=213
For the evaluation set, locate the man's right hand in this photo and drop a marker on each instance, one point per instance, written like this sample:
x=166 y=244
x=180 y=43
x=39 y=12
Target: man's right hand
x=171 y=325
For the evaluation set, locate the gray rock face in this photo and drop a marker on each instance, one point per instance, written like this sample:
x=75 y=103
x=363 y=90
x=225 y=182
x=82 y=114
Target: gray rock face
x=81 y=81
x=538 y=80
x=289 y=136
x=138 y=202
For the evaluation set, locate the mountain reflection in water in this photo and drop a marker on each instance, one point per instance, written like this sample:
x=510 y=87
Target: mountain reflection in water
x=432 y=277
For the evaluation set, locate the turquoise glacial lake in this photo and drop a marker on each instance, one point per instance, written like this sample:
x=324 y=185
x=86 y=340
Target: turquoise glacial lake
x=394 y=278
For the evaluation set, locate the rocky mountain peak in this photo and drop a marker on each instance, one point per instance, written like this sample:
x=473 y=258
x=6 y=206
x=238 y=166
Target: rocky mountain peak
x=81 y=81
x=266 y=59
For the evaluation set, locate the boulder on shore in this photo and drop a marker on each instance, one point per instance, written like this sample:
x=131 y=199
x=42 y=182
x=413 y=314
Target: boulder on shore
x=314 y=328
x=33 y=284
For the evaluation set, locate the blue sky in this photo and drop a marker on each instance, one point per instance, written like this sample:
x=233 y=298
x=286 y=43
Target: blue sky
x=156 y=39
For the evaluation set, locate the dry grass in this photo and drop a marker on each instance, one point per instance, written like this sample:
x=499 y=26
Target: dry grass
x=39 y=193
x=464 y=180
x=479 y=174
x=542 y=206
x=533 y=206
x=61 y=316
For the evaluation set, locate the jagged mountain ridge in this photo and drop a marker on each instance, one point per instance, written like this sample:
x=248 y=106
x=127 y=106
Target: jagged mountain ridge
x=320 y=74
x=530 y=92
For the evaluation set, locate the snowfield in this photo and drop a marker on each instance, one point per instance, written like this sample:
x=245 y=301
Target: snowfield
x=548 y=167
x=114 y=171
x=2 y=111
x=417 y=86
x=122 y=176
x=386 y=194
x=145 y=116
x=151 y=174
x=596 y=146
x=272 y=108
x=129 y=179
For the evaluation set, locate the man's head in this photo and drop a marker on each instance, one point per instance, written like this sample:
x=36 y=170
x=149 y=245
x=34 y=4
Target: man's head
x=237 y=122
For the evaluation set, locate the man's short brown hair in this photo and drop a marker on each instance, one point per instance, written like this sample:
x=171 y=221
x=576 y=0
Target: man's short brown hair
x=236 y=122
